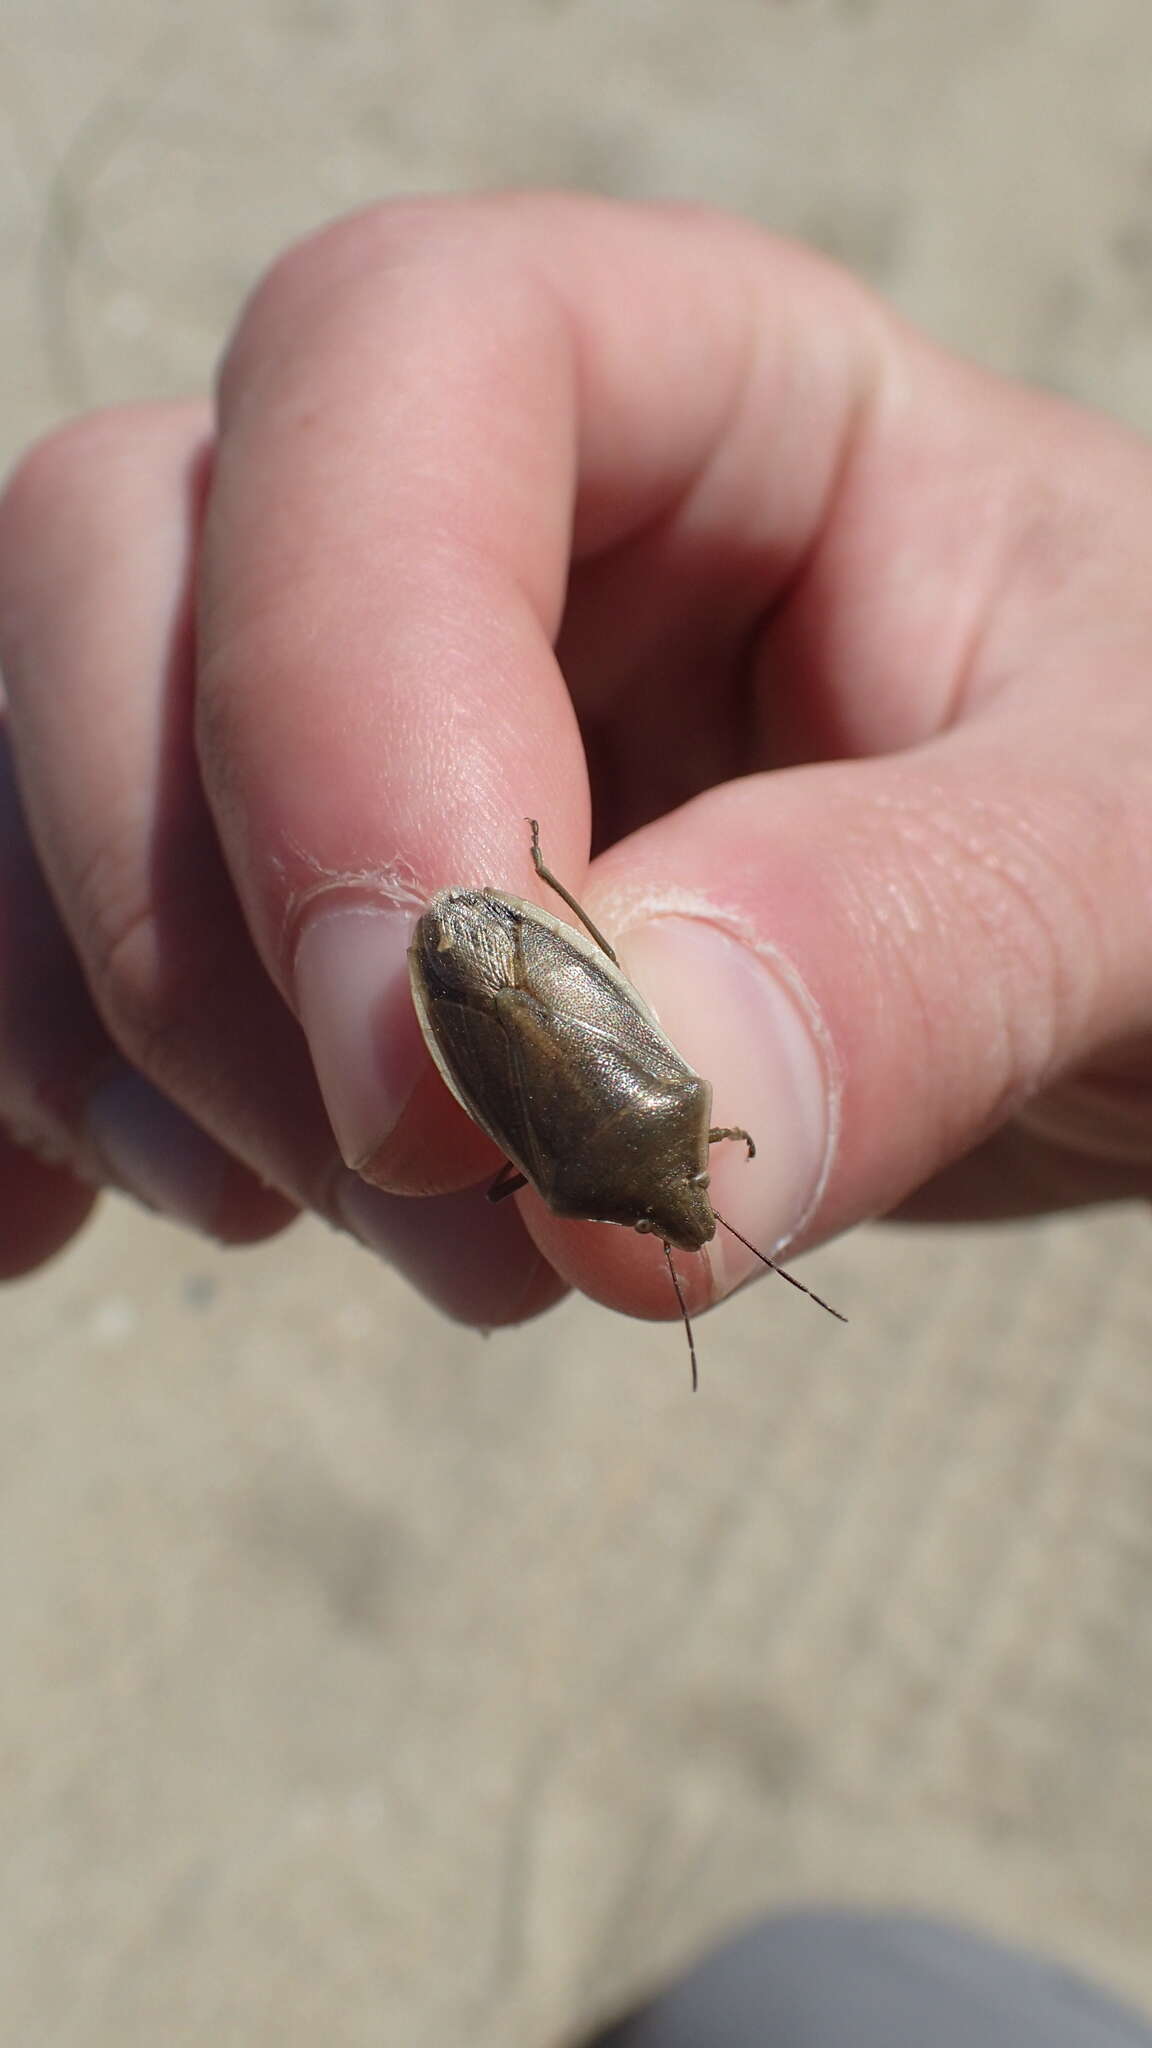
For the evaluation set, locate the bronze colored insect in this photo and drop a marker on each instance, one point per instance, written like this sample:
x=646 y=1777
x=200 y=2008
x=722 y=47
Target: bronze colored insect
x=547 y=1045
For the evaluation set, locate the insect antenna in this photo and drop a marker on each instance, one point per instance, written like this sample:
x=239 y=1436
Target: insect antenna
x=763 y=1256
x=684 y=1312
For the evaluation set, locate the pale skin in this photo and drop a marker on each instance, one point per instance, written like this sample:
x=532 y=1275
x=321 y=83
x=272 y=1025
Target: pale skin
x=639 y=522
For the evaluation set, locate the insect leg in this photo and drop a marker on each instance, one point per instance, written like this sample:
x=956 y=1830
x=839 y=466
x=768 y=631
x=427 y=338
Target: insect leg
x=715 y=1136
x=507 y=1182
x=546 y=875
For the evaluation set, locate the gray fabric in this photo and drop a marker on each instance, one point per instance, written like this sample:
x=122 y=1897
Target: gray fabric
x=848 y=1980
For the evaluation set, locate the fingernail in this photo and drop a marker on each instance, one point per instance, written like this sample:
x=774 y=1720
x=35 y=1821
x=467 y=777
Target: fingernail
x=355 y=1004
x=743 y=1020
x=155 y=1152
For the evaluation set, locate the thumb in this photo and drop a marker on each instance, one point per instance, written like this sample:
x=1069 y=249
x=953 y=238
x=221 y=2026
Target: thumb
x=874 y=963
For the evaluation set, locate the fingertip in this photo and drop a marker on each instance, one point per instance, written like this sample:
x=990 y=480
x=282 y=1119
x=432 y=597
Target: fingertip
x=44 y=1207
x=622 y=1269
x=154 y=1151
x=471 y=1258
x=251 y=1212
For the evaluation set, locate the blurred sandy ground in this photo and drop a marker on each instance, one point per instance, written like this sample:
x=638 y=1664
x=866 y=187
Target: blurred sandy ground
x=367 y=1683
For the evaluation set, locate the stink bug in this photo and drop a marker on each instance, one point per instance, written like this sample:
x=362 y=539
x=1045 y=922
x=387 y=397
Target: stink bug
x=547 y=1045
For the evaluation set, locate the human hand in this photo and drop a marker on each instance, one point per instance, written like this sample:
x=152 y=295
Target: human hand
x=852 y=694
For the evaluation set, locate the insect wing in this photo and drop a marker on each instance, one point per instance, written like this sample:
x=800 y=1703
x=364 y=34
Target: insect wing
x=461 y=958
x=591 y=1112
x=540 y=1038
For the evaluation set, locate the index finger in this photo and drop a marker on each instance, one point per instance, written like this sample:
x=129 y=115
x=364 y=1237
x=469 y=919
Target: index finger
x=425 y=413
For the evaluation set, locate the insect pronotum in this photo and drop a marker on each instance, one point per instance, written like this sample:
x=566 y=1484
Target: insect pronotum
x=547 y=1045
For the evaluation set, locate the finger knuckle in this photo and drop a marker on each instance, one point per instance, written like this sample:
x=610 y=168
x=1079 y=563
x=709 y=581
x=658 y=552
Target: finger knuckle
x=47 y=470
x=310 y=282
x=62 y=471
